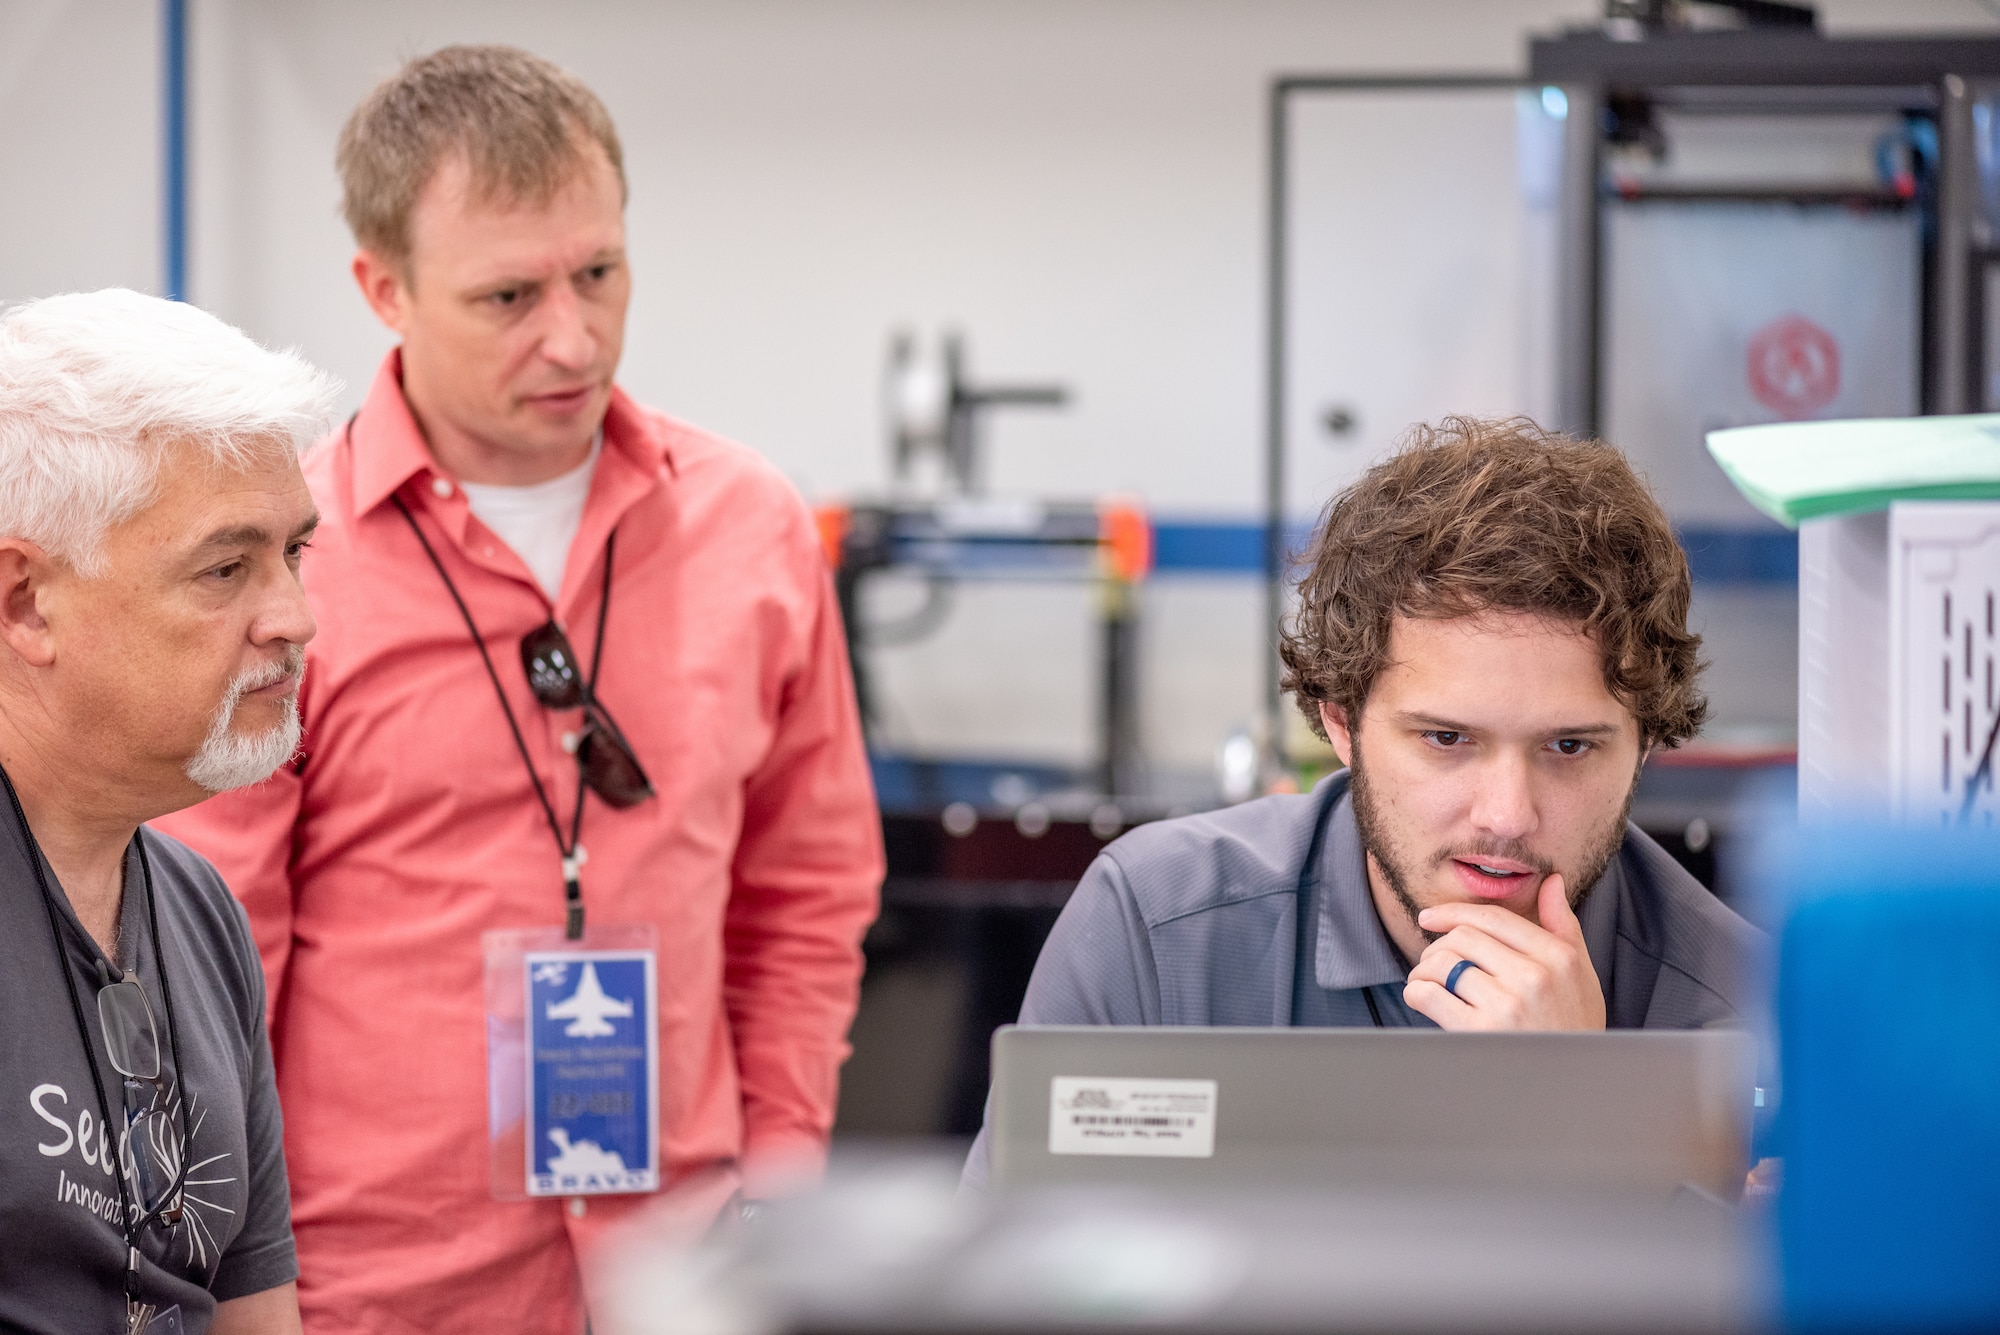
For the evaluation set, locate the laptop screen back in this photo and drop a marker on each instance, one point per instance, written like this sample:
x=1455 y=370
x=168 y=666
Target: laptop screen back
x=1629 y=1109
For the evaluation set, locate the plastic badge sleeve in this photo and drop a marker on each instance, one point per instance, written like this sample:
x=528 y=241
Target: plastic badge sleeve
x=509 y=1060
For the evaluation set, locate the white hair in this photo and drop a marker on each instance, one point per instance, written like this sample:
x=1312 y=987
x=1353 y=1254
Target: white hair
x=96 y=387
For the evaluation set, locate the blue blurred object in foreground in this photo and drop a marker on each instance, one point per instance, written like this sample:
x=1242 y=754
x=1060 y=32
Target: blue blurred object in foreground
x=1888 y=1007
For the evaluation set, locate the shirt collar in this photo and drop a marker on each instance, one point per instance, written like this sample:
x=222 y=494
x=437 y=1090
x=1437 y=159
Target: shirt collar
x=389 y=449
x=1353 y=949
x=1599 y=917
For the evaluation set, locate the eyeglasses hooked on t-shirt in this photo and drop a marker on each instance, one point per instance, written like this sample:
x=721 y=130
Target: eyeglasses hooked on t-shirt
x=154 y=1134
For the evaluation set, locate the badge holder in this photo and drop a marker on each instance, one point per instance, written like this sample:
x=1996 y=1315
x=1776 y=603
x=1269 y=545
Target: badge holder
x=572 y=1061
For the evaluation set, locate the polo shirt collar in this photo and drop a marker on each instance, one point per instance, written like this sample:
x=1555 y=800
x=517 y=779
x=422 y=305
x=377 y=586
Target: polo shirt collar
x=1353 y=949
x=1599 y=918
x=389 y=448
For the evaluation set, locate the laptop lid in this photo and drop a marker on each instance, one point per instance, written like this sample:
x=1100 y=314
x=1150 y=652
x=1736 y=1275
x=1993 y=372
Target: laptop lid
x=1622 y=1109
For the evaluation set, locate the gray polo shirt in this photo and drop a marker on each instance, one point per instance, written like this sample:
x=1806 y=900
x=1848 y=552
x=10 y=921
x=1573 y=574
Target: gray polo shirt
x=1199 y=921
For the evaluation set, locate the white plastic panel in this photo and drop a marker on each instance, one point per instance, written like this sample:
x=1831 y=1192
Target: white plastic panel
x=1421 y=269
x=1843 y=665
x=1944 y=584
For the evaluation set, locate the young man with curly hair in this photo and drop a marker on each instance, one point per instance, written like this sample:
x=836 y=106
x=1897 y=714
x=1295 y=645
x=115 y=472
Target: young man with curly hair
x=1493 y=635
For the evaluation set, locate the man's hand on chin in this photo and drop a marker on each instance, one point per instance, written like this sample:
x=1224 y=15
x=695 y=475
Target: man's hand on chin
x=1524 y=976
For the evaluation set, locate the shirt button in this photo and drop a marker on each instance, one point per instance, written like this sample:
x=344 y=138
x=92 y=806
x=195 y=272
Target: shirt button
x=577 y=1207
x=441 y=487
x=569 y=741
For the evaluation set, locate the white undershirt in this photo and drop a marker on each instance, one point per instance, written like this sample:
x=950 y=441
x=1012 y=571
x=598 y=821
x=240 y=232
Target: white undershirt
x=539 y=522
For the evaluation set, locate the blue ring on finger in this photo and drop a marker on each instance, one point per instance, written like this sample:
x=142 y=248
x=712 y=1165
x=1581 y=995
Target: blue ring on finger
x=1457 y=972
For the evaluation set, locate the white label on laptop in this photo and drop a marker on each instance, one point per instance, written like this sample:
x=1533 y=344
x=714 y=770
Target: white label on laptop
x=1118 y=1115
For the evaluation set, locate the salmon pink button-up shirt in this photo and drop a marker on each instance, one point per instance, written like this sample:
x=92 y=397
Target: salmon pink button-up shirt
x=409 y=827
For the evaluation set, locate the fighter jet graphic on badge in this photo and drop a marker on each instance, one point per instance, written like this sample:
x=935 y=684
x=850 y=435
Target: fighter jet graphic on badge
x=587 y=1008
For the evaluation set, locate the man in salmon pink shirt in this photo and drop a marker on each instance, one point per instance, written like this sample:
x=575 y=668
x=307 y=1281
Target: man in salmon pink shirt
x=580 y=686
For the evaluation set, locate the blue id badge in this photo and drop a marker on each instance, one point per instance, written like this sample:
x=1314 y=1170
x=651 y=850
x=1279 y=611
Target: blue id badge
x=581 y=1115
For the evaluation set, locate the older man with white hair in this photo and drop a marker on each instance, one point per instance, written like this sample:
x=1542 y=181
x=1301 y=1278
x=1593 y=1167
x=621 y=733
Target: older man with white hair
x=152 y=632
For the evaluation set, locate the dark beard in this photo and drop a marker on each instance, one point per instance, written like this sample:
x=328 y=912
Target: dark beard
x=1395 y=865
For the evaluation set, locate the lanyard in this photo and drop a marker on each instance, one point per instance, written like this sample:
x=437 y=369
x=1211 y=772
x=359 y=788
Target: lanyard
x=570 y=849
x=129 y=1217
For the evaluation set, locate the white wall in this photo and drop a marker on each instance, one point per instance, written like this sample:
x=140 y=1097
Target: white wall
x=1076 y=183
x=80 y=160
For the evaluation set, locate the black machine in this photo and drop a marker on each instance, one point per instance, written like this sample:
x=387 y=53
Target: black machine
x=1620 y=92
x=1730 y=58
x=975 y=884
x=959 y=535
x=982 y=852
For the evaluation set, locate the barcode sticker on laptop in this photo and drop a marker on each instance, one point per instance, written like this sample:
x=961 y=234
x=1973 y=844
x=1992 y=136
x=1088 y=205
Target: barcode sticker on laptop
x=1121 y=1115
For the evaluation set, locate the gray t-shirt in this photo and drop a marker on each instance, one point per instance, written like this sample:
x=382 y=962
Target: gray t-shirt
x=62 y=1251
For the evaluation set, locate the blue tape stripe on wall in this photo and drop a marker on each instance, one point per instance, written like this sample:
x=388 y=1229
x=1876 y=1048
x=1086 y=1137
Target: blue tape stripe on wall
x=1741 y=556
x=1195 y=548
x=1715 y=556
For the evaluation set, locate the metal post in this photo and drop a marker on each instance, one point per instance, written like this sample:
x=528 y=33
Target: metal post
x=173 y=117
x=1577 y=244
x=1274 y=421
x=1957 y=201
x=1118 y=773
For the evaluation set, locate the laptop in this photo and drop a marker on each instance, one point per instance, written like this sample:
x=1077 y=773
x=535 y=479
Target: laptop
x=1624 y=1110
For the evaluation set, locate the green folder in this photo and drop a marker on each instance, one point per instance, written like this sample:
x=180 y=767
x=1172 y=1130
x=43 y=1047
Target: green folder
x=1794 y=471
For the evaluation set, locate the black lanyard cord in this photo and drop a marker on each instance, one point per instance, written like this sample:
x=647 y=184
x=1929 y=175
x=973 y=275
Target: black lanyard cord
x=166 y=1001
x=571 y=865
x=129 y=1226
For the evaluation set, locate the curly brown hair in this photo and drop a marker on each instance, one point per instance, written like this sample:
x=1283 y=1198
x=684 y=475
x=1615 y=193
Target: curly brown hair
x=1472 y=515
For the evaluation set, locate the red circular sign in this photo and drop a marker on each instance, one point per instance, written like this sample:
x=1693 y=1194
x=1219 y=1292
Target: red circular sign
x=1794 y=367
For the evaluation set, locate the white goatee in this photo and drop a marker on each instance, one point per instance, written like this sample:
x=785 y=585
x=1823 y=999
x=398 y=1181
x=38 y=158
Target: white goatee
x=227 y=760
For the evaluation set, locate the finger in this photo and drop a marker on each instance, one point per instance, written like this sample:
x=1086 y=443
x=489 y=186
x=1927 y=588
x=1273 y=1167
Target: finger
x=1432 y=947
x=1480 y=990
x=1552 y=905
x=1430 y=999
x=1475 y=986
x=1526 y=937
x=1490 y=955
x=1436 y=961
x=1467 y=932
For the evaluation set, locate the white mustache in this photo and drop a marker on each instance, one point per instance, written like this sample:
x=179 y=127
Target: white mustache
x=292 y=665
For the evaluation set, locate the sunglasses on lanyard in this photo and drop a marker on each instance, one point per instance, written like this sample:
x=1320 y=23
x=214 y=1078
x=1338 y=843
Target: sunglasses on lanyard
x=605 y=759
x=609 y=768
